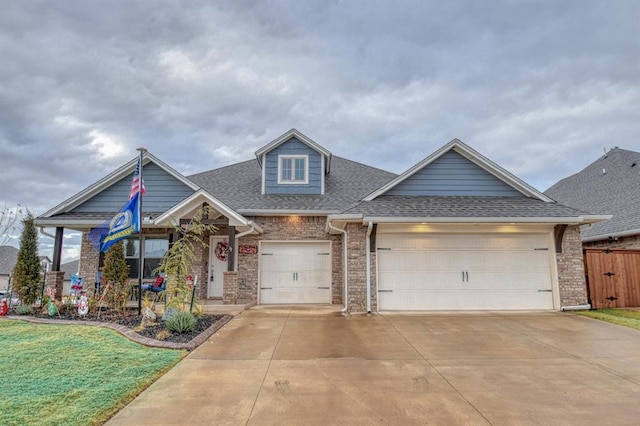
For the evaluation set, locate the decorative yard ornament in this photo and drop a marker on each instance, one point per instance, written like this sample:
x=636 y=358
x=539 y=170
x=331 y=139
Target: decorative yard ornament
x=3 y=307
x=52 y=308
x=83 y=305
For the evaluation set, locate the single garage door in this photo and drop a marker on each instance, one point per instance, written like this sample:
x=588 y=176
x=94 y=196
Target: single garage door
x=464 y=271
x=295 y=272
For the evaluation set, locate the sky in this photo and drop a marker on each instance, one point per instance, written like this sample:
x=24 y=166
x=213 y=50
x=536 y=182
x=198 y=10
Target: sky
x=540 y=87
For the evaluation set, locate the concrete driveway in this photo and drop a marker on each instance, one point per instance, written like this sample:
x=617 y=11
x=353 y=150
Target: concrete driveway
x=290 y=365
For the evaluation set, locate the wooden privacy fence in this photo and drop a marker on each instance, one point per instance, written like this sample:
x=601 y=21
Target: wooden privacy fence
x=613 y=277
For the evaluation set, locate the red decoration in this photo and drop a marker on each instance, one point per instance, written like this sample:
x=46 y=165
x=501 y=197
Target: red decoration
x=3 y=307
x=222 y=251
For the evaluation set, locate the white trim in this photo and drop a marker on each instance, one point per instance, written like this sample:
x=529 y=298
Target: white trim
x=322 y=175
x=284 y=138
x=264 y=175
x=476 y=158
x=111 y=179
x=277 y=212
x=556 y=220
x=293 y=159
x=194 y=201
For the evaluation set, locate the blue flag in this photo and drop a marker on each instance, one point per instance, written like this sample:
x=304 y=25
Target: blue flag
x=123 y=224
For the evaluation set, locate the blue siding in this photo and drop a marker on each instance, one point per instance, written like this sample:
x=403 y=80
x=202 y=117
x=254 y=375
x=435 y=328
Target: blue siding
x=293 y=147
x=452 y=174
x=163 y=192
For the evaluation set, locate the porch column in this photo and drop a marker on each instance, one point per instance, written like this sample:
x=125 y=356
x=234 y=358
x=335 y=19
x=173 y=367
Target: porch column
x=57 y=249
x=232 y=248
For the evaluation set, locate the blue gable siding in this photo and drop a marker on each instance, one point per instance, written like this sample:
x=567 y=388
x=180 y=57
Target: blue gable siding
x=293 y=147
x=163 y=192
x=452 y=174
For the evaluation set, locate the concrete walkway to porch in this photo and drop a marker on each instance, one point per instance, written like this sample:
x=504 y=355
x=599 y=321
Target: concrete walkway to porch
x=312 y=365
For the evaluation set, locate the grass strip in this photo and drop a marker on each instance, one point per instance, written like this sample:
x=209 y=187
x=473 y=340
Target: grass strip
x=72 y=375
x=626 y=317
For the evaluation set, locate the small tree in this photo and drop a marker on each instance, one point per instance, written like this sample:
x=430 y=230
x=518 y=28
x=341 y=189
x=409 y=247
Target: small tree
x=26 y=273
x=116 y=276
x=176 y=264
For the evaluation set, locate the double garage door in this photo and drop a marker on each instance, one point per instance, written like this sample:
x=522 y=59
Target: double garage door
x=441 y=271
x=295 y=272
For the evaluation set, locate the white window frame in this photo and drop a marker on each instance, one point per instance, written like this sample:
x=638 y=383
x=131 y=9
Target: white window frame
x=293 y=158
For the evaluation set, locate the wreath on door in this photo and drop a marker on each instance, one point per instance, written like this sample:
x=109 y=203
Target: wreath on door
x=222 y=251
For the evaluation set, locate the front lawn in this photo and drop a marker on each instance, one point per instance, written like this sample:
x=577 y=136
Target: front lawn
x=72 y=375
x=629 y=318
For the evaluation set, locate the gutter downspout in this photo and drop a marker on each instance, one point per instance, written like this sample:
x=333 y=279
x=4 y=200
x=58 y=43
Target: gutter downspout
x=242 y=234
x=576 y=308
x=368 y=257
x=46 y=234
x=345 y=241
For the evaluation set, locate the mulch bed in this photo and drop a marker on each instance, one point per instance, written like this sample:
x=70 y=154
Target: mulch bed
x=126 y=322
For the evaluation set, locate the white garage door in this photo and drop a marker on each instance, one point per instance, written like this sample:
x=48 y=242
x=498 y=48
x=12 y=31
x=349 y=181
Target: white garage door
x=295 y=272
x=464 y=271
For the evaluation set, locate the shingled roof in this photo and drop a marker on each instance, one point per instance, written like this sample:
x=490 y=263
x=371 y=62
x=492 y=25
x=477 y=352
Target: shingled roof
x=239 y=187
x=8 y=259
x=609 y=185
x=462 y=207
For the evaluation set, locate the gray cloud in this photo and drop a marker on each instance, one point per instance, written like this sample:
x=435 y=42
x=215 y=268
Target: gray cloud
x=539 y=87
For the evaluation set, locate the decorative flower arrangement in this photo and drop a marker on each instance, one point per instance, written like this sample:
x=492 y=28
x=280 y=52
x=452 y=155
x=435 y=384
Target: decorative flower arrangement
x=222 y=251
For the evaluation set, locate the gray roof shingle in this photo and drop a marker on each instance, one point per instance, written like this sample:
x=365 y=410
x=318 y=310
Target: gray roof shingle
x=461 y=206
x=609 y=185
x=239 y=187
x=8 y=259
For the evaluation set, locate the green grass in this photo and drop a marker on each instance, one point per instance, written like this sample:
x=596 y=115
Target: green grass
x=624 y=317
x=72 y=375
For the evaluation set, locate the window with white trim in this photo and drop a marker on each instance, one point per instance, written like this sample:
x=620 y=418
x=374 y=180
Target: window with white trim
x=293 y=169
x=155 y=248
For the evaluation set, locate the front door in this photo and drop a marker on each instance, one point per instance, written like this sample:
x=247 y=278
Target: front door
x=217 y=266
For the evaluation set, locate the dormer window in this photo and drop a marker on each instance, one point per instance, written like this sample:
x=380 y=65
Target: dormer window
x=293 y=169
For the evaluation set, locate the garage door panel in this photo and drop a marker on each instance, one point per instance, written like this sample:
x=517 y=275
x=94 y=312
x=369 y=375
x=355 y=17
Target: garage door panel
x=295 y=272
x=464 y=271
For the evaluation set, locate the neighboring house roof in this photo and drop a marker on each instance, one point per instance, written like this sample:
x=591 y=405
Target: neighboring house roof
x=609 y=185
x=70 y=268
x=239 y=187
x=8 y=259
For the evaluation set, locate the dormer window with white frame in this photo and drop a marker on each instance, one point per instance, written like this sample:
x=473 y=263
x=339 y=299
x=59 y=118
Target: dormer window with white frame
x=293 y=169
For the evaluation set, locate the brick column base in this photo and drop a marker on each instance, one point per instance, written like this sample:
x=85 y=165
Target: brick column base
x=230 y=288
x=55 y=279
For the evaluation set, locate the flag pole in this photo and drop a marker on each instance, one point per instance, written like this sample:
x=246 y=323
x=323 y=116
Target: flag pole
x=140 y=220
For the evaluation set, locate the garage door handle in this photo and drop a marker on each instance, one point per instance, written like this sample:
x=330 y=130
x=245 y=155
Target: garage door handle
x=385 y=291
x=323 y=288
x=544 y=291
x=266 y=288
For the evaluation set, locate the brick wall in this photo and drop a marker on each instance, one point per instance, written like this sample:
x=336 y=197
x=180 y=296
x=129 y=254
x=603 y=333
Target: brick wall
x=287 y=228
x=357 y=272
x=571 y=280
x=88 y=265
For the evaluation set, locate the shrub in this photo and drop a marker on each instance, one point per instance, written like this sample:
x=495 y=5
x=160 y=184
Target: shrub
x=182 y=322
x=24 y=310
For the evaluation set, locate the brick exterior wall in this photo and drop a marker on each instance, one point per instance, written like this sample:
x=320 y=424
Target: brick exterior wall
x=357 y=272
x=55 y=280
x=571 y=279
x=287 y=228
x=88 y=265
x=230 y=288
x=623 y=243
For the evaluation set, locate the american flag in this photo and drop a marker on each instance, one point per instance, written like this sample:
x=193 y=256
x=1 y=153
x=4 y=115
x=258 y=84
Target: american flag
x=136 y=182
